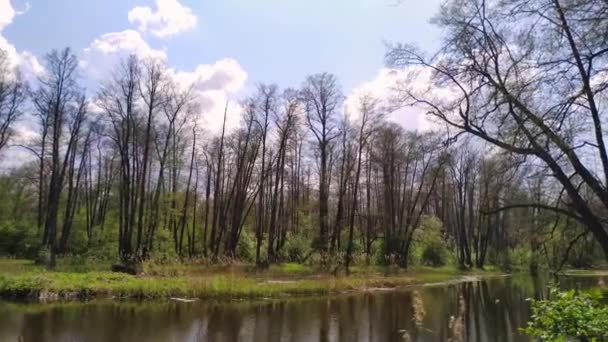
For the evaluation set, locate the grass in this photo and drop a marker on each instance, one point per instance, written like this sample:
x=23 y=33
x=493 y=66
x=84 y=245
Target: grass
x=21 y=279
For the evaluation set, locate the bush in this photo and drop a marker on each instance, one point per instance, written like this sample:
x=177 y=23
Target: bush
x=504 y=261
x=19 y=240
x=245 y=248
x=569 y=315
x=431 y=242
x=432 y=256
x=516 y=259
x=296 y=248
x=43 y=256
x=384 y=256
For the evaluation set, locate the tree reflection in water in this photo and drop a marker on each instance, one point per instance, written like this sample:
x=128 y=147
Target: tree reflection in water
x=489 y=310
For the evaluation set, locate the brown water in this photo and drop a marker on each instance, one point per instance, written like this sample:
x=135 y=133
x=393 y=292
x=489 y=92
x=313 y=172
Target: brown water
x=488 y=310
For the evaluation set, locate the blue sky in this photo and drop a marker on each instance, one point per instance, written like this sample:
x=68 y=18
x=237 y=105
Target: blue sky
x=278 y=41
x=223 y=47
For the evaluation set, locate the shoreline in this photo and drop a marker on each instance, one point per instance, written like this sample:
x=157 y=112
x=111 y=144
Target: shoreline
x=26 y=285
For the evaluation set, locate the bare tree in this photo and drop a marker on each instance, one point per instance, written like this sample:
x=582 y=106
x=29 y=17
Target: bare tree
x=12 y=96
x=264 y=105
x=59 y=99
x=118 y=99
x=152 y=88
x=285 y=121
x=322 y=98
x=527 y=76
x=369 y=116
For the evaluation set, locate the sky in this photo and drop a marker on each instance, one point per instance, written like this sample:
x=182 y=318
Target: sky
x=224 y=47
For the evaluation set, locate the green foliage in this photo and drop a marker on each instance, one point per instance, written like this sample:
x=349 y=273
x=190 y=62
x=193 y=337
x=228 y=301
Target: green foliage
x=514 y=259
x=520 y=257
x=23 y=279
x=164 y=246
x=297 y=247
x=43 y=256
x=430 y=244
x=19 y=240
x=432 y=256
x=290 y=268
x=385 y=256
x=81 y=263
x=301 y=243
x=380 y=257
x=164 y=267
x=104 y=245
x=245 y=248
x=569 y=315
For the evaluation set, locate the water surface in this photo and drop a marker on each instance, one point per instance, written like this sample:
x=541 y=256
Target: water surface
x=489 y=310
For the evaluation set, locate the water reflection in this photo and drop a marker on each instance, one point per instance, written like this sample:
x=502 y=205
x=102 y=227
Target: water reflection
x=489 y=310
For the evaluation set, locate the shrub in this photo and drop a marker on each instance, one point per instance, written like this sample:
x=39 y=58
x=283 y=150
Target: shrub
x=433 y=256
x=385 y=256
x=296 y=248
x=43 y=256
x=432 y=244
x=19 y=239
x=519 y=258
x=569 y=315
x=245 y=249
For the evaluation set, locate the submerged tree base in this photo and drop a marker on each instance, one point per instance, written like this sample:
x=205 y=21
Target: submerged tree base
x=22 y=280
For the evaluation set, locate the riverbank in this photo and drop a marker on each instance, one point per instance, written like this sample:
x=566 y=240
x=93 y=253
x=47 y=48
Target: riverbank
x=23 y=280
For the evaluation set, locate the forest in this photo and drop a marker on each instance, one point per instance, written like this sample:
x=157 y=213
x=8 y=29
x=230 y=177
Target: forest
x=513 y=176
x=315 y=211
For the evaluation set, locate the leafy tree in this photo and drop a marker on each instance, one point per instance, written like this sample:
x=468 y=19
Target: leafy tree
x=569 y=315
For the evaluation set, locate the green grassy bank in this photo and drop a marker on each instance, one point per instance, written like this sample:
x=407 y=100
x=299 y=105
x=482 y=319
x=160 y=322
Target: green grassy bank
x=23 y=280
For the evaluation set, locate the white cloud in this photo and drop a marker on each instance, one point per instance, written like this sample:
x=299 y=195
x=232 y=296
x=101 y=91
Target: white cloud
x=105 y=52
x=30 y=67
x=168 y=19
x=29 y=64
x=226 y=74
x=383 y=88
x=214 y=85
x=25 y=132
x=7 y=13
x=388 y=87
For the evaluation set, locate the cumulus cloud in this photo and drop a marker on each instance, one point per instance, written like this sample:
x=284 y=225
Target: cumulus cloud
x=14 y=155
x=7 y=13
x=214 y=85
x=26 y=61
x=387 y=87
x=226 y=74
x=30 y=67
x=105 y=52
x=167 y=19
x=383 y=88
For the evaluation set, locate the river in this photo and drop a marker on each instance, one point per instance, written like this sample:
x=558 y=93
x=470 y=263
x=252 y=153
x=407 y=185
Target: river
x=491 y=309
